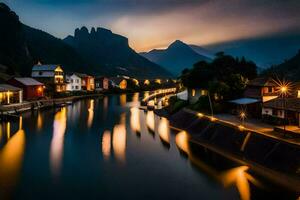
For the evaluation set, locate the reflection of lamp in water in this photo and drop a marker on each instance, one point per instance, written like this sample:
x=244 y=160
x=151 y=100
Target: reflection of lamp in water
x=163 y=130
x=39 y=121
x=182 y=141
x=57 y=143
x=150 y=120
x=11 y=158
x=240 y=178
x=123 y=100
x=8 y=130
x=90 y=113
x=135 y=119
x=119 y=141
x=106 y=144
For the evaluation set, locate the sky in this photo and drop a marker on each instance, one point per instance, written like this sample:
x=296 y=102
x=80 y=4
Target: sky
x=156 y=23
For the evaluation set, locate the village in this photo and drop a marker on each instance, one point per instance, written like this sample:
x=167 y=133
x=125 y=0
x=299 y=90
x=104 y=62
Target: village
x=50 y=85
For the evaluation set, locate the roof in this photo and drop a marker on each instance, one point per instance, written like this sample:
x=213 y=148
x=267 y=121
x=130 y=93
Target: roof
x=6 y=87
x=291 y=104
x=244 y=101
x=28 y=81
x=81 y=75
x=44 y=67
x=262 y=81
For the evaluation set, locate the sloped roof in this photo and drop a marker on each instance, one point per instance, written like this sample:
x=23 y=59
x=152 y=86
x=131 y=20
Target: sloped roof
x=262 y=81
x=44 y=67
x=292 y=104
x=6 y=87
x=28 y=81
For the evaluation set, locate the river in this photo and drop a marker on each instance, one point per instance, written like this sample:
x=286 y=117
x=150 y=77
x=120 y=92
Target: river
x=108 y=148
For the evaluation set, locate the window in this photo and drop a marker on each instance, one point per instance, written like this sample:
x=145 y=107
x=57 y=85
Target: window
x=40 y=73
x=76 y=87
x=72 y=80
x=193 y=92
x=270 y=89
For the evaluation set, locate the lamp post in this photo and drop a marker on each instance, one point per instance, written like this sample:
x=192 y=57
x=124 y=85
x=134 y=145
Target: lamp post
x=283 y=92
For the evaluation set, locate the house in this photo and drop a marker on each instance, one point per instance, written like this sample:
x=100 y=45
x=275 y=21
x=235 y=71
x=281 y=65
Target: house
x=51 y=75
x=118 y=82
x=195 y=93
x=283 y=109
x=263 y=88
x=73 y=82
x=10 y=94
x=287 y=108
x=101 y=83
x=32 y=89
x=87 y=82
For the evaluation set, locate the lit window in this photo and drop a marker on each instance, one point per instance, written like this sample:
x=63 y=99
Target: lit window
x=193 y=92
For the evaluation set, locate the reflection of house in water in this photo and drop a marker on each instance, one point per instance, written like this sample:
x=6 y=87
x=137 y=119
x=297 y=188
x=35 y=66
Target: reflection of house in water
x=11 y=159
x=57 y=143
x=106 y=144
x=90 y=113
x=119 y=139
x=123 y=99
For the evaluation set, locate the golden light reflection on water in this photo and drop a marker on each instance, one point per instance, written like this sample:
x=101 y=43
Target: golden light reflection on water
x=39 y=121
x=182 y=141
x=119 y=139
x=90 y=113
x=135 y=119
x=150 y=120
x=57 y=143
x=237 y=176
x=135 y=97
x=8 y=130
x=123 y=99
x=146 y=94
x=106 y=144
x=11 y=159
x=164 y=130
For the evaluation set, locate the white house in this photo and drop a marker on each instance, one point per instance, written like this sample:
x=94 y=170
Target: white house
x=51 y=75
x=73 y=82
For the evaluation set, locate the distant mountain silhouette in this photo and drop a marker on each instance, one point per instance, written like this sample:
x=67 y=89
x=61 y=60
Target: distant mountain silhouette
x=289 y=69
x=111 y=54
x=264 y=51
x=22 y=46
x=176 y=57
x=202 y=51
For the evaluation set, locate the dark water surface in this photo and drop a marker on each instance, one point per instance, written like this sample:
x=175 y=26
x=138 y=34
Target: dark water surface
x=109 y=149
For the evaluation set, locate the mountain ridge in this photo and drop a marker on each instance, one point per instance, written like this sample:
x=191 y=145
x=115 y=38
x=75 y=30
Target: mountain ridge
x=176 y=57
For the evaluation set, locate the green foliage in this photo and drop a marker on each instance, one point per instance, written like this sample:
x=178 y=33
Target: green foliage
x=225 y=76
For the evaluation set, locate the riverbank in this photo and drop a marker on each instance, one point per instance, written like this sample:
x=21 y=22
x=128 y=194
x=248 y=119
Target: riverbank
x=270 y=157
x=38 y=104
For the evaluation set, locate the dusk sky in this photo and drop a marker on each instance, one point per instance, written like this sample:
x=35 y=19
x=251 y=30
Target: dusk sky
x=156 y=23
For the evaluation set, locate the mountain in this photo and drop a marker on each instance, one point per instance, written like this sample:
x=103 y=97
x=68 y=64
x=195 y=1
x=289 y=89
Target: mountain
x=22 y=46
x=289 y=69
x=110 y=53
x=176 y=57
x=202 y=51
x=264 y=51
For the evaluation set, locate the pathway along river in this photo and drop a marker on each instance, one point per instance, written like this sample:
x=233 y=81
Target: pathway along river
x=109 y=149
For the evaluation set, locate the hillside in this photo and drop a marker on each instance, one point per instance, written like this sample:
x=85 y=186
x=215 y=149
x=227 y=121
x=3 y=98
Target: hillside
x=22 y=46
x=290 y=69
x=176 y=57
x=111 y=54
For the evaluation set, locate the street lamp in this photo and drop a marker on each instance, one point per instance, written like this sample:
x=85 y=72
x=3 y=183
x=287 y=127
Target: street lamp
x=284 y=91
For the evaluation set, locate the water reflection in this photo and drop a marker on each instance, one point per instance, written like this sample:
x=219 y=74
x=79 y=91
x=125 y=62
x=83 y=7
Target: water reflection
x=150 y=121
x=8 y=130
x=90 y=113
x=106 y=144
x=119 y=139
x=57 y=143
x=135 y=119
x=11 y=159
x=123 y=100
x=237 y=176
x=164 y=131
x=39 y=123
